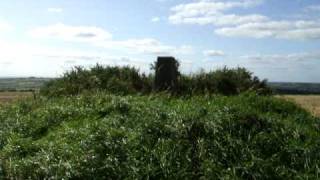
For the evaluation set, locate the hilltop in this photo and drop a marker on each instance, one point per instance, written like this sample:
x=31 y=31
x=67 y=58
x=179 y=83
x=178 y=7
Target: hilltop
x=108 y=123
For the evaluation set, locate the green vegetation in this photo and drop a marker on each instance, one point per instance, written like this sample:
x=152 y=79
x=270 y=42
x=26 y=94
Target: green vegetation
x=127 y=80
x=107 y=123
x=223 y=81
x=158 y=137
x=118 y=80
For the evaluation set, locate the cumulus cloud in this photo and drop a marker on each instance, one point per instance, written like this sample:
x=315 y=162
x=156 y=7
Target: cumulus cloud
x=284 y=58
x=212 y=53
x=101 y=38
x=302 y=30
x=213 y=12
x=71 y=33
x=55 y=10
x=147 y=46
x=28 y=59
x=266 y=61
x=219 y=20
x=286 y=67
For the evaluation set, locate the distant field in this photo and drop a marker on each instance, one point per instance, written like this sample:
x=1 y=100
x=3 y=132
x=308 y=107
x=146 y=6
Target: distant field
x=22 y=84
x=309 y=102
x=295 y=88
x=7 y=97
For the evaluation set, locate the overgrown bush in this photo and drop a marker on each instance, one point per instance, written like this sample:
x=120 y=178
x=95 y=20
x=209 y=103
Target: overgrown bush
x=127 y=80
x=118 y=80
x=223 y=81
x=99 y=136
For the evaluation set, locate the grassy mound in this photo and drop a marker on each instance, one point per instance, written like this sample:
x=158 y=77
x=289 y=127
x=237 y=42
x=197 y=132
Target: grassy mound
x=154 y=137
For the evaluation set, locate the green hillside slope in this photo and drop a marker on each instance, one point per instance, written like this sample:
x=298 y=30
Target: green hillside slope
x=101 y=136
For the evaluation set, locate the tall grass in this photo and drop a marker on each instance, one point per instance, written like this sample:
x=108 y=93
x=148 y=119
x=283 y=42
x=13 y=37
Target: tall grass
x=128 y=80
x=100 y=136
x=118 y=80
x=106 y=123
x=222 y=81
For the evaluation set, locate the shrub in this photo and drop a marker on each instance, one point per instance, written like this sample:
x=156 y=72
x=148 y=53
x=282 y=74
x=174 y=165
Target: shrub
x=127 y=80
x=223 y=81
x=118 y=80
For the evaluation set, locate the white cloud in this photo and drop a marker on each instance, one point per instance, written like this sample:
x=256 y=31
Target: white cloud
x=212 y=12
x=147 y=46
x=211 y=7
x=291 y=67
x=101 y=38
x=71 y=33
x=28 y=59
x=55 y=10
x=155 y=19
x=4 y=26
x=212 y=53
x=220 y=19
x=302 y=30
x=283 y=58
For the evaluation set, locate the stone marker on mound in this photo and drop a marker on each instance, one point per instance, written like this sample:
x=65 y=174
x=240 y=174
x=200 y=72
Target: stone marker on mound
x=166 y=74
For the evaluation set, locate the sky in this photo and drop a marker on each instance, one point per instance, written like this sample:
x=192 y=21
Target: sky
x=275 y=39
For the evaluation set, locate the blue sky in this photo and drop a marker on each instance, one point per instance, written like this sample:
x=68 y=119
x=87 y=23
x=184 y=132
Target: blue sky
x=277 y=40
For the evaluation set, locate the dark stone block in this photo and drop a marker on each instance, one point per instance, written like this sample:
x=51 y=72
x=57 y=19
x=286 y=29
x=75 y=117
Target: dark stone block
x=166 y=74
